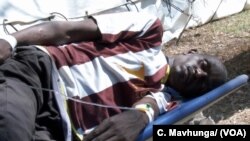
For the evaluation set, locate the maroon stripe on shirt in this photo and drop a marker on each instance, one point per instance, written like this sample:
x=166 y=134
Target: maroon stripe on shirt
x=120 y=94
x=83 y=52
x=152 y=81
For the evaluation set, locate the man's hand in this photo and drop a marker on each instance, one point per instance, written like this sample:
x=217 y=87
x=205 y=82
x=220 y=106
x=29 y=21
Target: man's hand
x=5 y=50
x=122 y=127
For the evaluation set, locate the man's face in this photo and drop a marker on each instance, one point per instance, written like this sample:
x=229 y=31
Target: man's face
x=193 y=73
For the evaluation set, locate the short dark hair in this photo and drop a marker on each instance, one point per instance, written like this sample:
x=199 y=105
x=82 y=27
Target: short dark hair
x=220 y=68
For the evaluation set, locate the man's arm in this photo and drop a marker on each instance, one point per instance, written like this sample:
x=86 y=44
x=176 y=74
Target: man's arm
x=52 y=33
x=125 y=126
x=58 y=32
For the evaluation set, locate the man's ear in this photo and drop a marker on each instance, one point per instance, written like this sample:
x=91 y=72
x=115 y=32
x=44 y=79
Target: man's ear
x=191 y=51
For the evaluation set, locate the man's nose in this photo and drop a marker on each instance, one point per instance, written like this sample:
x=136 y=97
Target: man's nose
x=200 y=73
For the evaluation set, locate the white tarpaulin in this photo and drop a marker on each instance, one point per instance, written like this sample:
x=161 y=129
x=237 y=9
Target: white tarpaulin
x=175 y=14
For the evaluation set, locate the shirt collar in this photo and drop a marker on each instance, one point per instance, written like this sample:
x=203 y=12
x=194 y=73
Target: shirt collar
x=165 y=78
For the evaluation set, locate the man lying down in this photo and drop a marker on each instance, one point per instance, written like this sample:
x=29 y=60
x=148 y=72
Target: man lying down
x=107 y=73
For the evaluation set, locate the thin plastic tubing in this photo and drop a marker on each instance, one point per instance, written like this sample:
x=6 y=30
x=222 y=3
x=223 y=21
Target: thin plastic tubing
x=190 y=107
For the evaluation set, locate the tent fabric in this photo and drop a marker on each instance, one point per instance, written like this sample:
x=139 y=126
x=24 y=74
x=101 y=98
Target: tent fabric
x=179 y=15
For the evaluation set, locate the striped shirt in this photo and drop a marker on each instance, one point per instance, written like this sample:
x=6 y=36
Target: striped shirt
x=125 y=65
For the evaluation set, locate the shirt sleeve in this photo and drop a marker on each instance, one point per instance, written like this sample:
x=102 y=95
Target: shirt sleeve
x=163 y=100
x=166 y=99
